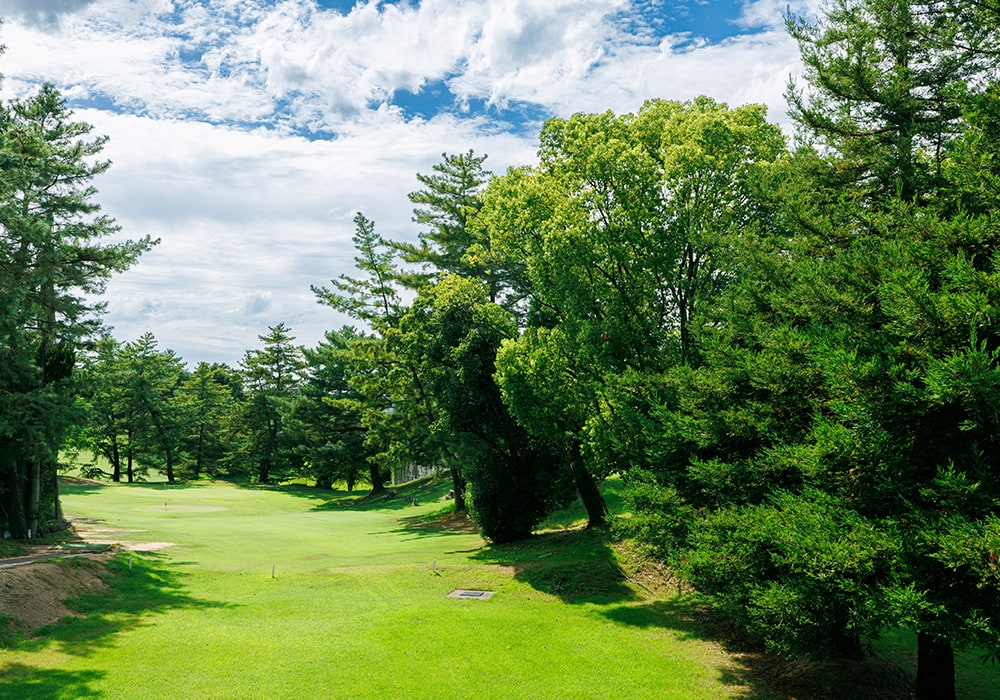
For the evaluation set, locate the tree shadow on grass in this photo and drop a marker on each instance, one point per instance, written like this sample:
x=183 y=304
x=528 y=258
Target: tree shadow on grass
x=762 y=675
x=310 y=493
x=430 y=489
x=443 y=522
x=139 y=587
x=577 y=566
x=22 y=681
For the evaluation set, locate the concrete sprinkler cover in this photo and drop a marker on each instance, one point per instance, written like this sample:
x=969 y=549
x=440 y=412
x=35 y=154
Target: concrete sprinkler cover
x=470 y=595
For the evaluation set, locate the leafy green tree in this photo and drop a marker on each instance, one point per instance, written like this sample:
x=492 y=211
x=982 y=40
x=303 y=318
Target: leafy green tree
x=54 y=266
x=444 y=207
x=271 y=376
x=917 y=275
x=531 y=372
x=628 y=229
x=103 y=382
x=452 y=333
x=884 y=82
x=372 y=297
x=392 y=402
x=849 y=394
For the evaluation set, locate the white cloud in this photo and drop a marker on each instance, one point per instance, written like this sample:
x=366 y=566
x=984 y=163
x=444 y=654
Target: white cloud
x=210 y=104
x=250 y=215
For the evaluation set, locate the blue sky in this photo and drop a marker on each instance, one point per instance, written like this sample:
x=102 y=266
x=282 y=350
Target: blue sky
x=245 y=134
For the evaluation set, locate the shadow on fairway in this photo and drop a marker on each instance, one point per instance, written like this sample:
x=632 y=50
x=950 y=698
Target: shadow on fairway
x=21 y=681
x=578 y=566
x=686 y=620
x=767 y=676
x=134 y=596
x=679 y=614
x=431 y=489
x=310 y=493
x=71 y=486
x=443 y=522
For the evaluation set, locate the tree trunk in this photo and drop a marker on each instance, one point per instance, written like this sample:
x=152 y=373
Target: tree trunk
x=458 y=488
x=375 y=474
x=264 y=473
x=935 y=668
x=12 y=477
x=199 y=447
x=116 y=461
x=593 y=501
x=128 y=452
x=34 y=495
x=170 y=467
x=60 y=521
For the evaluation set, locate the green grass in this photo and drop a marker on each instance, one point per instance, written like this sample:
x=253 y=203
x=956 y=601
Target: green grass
x=357 y=607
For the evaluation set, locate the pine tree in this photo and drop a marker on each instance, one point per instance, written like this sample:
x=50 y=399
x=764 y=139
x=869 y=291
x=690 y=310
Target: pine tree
x=271 y=375
x=54 y=265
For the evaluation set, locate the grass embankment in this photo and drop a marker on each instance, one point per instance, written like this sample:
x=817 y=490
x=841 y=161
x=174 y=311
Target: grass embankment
x=295 y=592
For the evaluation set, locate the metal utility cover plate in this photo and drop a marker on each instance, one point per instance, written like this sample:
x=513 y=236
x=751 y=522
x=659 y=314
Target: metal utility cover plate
x=471 y=595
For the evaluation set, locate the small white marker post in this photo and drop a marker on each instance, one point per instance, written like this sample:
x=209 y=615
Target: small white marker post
x=130 y=561
x=272 y=570
x=434 y=567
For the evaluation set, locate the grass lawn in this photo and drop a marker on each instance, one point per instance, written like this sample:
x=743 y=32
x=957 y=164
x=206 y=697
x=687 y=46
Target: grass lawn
x=357 y=607
x=297 y=593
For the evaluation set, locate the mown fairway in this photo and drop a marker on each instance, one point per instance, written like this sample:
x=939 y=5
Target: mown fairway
x=357 y=607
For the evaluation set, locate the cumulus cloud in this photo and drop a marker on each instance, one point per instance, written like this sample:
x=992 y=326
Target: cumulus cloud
x=242 y=213
x=245 y=134
x=292 y=63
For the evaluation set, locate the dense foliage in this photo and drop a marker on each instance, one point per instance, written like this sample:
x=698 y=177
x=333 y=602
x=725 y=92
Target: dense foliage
x=790 y=355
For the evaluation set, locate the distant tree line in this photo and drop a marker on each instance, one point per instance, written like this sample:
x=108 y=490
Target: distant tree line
x=285 y=412
x=790 y=354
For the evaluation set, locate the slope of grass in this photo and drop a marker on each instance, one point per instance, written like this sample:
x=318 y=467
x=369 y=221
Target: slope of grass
x=357 y=607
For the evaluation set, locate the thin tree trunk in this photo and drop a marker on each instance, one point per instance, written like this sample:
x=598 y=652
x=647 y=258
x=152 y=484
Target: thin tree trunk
x=60 y=521
x=935 y=668
x=170 y=466
x=34 y=496
x=458 y=488
x=593 y=501
x=116 y=461
x=128 y=453
x=198 y=451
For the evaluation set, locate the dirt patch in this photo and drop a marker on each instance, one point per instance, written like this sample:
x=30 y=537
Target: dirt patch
x=33 y=595
x=97 y=532
x=79 y=481
x=146 y=546
x=35 y=586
